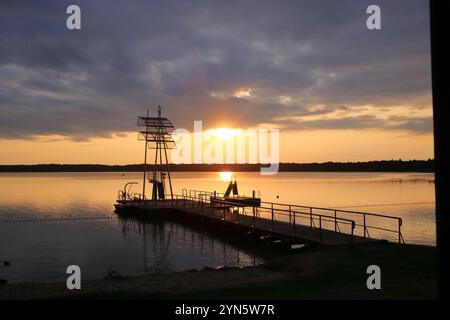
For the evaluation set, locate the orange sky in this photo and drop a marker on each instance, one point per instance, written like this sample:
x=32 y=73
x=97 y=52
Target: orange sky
x=295 y=146
x=336 y=90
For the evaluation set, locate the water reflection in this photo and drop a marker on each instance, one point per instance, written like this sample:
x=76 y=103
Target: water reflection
x=41 y=251
x=168 y=244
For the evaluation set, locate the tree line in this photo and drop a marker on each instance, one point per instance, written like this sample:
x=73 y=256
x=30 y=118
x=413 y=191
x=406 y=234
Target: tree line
x=368 y=166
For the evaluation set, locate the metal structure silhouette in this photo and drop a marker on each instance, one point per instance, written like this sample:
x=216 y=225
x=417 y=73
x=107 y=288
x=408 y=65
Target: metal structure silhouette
x=157 y=134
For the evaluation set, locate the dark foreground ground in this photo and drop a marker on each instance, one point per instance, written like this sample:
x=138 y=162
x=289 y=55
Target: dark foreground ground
x=407 y=272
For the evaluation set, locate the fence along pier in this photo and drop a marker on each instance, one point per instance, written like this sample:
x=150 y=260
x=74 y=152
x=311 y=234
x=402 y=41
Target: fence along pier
x=320 y=225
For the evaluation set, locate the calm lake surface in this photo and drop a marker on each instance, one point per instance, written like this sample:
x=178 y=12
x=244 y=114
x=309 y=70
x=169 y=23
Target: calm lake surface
x=41 y=250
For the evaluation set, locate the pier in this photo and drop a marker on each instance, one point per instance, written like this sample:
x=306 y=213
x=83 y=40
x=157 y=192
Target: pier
x=281 y=221
x=268 y=220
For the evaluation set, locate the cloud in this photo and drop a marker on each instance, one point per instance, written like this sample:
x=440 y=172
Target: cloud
x=126 y=58
x=418 y=125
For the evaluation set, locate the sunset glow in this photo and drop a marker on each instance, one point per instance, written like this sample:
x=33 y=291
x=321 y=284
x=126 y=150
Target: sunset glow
x=331 y=101
x=140 y=142
x=225 y=134
x=225 y=175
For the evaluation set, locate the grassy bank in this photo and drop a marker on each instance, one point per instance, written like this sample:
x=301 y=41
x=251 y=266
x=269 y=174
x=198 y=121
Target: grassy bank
x=407 y=272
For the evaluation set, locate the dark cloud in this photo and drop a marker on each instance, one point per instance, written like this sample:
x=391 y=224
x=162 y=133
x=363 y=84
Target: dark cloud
x=191 y=56
x=416 y=124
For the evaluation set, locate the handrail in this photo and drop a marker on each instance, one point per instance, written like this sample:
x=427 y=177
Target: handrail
x=364 y=214
x=333 y=213
x=277 y=211
x=338 y=210
x=292 y=212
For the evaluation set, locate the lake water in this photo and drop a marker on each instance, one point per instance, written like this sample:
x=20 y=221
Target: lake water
x=41 y=250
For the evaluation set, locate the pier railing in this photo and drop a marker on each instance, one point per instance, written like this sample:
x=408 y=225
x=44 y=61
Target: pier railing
x=367 y=224
x=235 y=212
x=363 y=224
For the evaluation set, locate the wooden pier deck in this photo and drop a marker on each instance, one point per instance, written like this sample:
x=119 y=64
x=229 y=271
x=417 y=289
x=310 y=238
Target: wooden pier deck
x=271 y=218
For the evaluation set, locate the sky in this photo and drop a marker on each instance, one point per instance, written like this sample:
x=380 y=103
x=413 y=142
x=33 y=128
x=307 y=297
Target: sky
x=335 y=90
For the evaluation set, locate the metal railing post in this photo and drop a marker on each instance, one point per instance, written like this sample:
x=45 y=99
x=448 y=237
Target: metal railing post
x=353 y=227
x=272 y=217
x=211 y=211
x=295 y=232
x=310 y=217
x=254 y=216
x=335 y=222
x=320 y=227
x=364 y=224
x=290 y=221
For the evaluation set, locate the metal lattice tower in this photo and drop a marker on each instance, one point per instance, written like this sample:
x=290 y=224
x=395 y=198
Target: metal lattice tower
x=157 y=135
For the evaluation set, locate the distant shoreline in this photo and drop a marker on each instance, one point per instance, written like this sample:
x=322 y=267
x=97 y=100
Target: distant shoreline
x=369 y=166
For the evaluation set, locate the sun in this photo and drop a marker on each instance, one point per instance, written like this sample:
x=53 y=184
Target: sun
x=225 y=175
x=225 y=134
